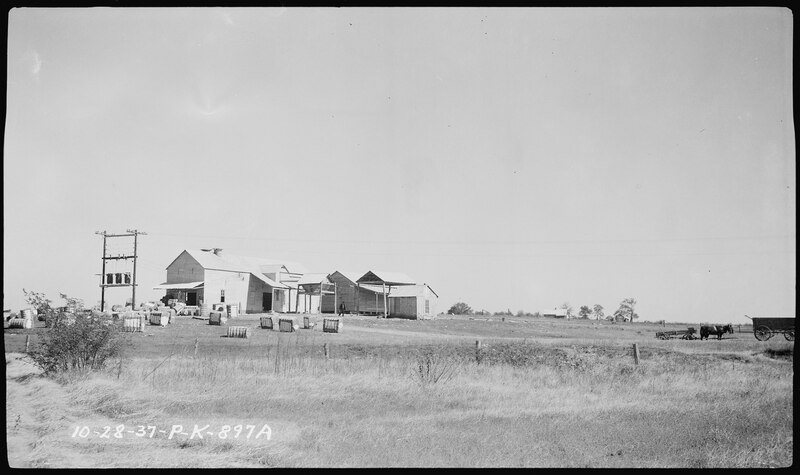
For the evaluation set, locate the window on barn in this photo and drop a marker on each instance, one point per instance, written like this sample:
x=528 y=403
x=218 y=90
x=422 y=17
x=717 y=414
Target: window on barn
x=222 y=295
x=427 y=306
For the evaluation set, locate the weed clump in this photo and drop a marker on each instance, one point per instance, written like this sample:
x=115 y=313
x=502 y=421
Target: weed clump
x=432 y=366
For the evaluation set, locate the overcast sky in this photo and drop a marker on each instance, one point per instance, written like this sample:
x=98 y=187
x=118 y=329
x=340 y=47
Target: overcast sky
x=510 y=158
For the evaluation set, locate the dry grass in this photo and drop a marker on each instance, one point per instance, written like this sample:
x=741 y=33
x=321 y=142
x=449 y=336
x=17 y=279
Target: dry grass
x=557 y=402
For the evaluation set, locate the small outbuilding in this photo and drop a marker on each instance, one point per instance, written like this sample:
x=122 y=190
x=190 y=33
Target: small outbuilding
x=413 y=301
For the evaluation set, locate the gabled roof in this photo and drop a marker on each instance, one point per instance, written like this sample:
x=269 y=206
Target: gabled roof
x=388 y=278
x=349 y=275
x=230 y=263
x=236 y=263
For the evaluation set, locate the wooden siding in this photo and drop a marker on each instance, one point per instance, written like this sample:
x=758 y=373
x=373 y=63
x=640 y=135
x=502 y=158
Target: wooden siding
x=403 y=307
x=346 y=292
x=185 y=269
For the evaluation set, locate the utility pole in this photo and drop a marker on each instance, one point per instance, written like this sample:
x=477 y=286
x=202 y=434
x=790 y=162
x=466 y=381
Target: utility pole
x=104 y=280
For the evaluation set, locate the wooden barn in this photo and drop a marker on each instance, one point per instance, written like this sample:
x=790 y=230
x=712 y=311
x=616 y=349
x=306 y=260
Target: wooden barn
x=256 y=284
x=347 y=290
x=413 y=301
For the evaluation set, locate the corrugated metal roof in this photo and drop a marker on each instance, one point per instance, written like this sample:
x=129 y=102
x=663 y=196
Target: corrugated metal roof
x=378 y=289
x=349 y=275
x=231 y=263
x=313 y=278
x=236 y=263
x=184 y=285
x=410 y=290
x=269 y=281
x=395 y=278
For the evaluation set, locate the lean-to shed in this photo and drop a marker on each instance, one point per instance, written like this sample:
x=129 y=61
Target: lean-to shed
x=382 y=281
x=413 y=301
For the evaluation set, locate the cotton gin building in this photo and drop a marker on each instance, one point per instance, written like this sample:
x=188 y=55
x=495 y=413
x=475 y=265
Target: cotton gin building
x=254 y=284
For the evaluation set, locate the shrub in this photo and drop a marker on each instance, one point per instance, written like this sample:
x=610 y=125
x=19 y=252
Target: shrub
x=460 y=308
x=40 y=303
x=78 y=341
x=433 y=366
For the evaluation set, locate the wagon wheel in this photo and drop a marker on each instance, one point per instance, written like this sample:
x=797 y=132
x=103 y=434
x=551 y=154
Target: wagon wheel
x=789 y=335
x=662 y=336
x=763 y=333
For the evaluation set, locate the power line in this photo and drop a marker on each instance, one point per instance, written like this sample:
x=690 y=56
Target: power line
x=119 y=253
x=507 y=242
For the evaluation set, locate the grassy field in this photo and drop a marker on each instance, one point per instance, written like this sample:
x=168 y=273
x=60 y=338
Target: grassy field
x=402 y=393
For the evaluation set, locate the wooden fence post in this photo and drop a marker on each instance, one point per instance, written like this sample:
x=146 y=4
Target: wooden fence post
x=27 y=340
x=478 y=351
x=636 y=353
x=325 y=349
x=195 y=345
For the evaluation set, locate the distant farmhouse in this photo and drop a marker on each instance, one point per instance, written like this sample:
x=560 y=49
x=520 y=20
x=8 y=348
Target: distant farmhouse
x=555 y=313
x=259 y=285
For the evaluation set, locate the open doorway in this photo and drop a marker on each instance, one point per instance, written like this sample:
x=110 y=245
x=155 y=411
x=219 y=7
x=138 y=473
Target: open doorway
x=266 y=301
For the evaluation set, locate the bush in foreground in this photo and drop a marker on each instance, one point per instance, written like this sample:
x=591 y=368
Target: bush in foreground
x=78 y=341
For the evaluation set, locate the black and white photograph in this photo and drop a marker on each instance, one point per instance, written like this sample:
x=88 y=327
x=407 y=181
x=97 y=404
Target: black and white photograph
x=410 y=237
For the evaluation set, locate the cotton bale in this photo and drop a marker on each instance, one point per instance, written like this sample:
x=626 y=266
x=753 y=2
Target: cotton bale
x=217 y=318
x=24 y=323
x=159 y=318
x=332 y=325
x=132 y=323
x=267 y=323
x=286 y=325
x=190 y=310
x=238 y=332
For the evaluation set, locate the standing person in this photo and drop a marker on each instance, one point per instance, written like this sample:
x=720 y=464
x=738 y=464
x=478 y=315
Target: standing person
x=341 y=308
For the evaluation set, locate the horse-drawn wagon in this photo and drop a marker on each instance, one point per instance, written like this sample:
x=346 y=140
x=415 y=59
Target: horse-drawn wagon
x=765 y=328
x=687 y=334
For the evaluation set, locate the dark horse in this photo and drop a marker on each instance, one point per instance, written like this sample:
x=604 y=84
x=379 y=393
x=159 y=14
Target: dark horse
x=718 y=330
